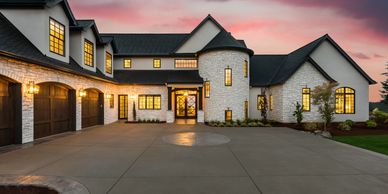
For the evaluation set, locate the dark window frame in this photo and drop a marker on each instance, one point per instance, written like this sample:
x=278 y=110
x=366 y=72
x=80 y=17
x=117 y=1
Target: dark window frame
x=258 y=103
x=270 y=102
x=196 y=63
x=160 y=63
x=246 y=69
x=112 y=101
x=106 y=62
x=207 y=89
x=64 y=37
x=231 y=115
x=130 y=63
x=153 y=101
x=309 y=94
x=231 y=76
x=345 y=96
x=86 y=41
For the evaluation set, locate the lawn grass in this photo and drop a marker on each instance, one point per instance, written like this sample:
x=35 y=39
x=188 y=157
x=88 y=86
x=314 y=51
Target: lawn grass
x=376 y=143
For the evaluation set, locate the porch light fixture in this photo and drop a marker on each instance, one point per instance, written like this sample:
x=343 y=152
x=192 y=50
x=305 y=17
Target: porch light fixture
x=132 y=97
x=82 y=92
x=108 y=96
x=32 y=88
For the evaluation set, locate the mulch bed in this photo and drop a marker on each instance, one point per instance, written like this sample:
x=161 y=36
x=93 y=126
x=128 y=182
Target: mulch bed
x=357 y=129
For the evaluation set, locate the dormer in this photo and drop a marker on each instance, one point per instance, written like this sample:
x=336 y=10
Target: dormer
x=44 y=23
x=84 y=38
x=105 y=57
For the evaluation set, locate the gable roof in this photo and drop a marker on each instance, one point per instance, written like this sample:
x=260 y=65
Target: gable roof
x=158 y=77
x=145 y=44
x=224 y=40
x=203 y=22
x=14 y=44
x=41 y=4
x=285 y=66
x=86 y=24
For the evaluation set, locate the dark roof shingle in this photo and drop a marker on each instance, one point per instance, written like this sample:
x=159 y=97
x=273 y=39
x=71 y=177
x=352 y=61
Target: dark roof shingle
x=224 y=40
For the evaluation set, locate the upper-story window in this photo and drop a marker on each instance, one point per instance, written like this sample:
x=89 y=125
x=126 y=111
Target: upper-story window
x=306 y=99
x=157 y=63
x=88 y=53
x=228 y=76
x=345 y=101
x=57 y=37
x=186 y=63
x=108 y=63
x=127 y=63
x=245 y=68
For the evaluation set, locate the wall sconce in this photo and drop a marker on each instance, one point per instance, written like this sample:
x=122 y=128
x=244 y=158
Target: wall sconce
x=32 y=88
x=132 y=97
x=82 y=92
x=108 y=96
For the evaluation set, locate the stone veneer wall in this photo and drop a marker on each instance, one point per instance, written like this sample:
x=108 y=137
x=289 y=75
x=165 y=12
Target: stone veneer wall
x=211 y=67
x=24 y=73
x=307 y=76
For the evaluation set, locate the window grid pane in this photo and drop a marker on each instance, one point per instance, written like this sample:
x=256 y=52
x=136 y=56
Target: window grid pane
x=186 y=63
x=260 y=102
x=345 y=101
x=142 y=102
x=228 y=115
x=157 y=102
x=270 y=102
x=245 y=68
x=228 y=77
x=150 y=102
x=207 y=89
x=127 y=63
x=108 y=63
x=306 y=102
x=88 y=53
x=57 y=37
x=112 y=101
x=157 y=63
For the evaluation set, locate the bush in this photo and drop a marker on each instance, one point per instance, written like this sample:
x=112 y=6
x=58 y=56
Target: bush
x=349 y=122
x=311 y=126
x=371 y=124
x=253 y=124
x=379 y=116
x=344 y=126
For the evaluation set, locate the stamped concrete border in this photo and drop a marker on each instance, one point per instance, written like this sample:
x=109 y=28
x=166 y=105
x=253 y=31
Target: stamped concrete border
x=60 y=184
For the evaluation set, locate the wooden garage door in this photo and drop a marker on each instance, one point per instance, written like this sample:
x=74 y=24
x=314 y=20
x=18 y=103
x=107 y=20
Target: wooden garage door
x=52 y=110
x=6 y=114
x=91 y=108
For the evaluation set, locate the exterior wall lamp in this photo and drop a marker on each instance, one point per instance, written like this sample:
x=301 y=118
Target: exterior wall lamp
x=32 y=88
x=108 y=96
x=82 y=93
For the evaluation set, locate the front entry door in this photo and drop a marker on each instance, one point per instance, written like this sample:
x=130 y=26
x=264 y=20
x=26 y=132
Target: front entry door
x=123 y=106
x=186 y=106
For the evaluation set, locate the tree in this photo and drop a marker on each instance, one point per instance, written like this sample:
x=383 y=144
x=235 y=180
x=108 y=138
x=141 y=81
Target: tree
x=134 y=111
x=323 y=97
x=384 y=91
x=298 y=113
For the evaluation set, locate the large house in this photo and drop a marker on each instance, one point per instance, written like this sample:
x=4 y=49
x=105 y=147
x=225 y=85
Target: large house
x=61 y=74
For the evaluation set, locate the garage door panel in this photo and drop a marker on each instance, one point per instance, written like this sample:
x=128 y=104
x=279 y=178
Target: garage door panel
x=91 y=112
x=52 y=110
x=6 y=112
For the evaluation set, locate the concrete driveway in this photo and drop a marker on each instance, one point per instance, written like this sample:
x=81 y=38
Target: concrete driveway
x=129 y=158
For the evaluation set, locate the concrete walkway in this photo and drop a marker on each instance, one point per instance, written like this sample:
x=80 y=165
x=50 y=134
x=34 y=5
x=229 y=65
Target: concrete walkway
x=129 y=158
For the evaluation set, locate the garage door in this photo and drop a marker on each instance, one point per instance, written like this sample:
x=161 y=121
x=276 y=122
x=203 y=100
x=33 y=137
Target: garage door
x=53 y=110
x=92 y=108
x=6 y=114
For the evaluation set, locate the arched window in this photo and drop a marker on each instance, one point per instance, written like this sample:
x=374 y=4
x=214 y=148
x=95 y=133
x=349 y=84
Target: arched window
x=345 y=101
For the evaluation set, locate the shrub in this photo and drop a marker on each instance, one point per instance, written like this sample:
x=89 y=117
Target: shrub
x=371 y=124
x=228 y=124
x=244 y=124
x=260 y=124
x=253 y=124
x=311 y=126
x=157 y=120
x=349 y=122
x=379 y=116
x=298 y=113
x=344 y=126
x=267 y=125
x=238 y=122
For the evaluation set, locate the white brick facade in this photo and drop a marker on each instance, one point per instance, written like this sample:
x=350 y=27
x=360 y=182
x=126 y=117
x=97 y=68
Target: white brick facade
x=211 y=67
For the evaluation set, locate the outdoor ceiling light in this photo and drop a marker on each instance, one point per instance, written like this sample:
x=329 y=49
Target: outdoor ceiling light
x=32 y=88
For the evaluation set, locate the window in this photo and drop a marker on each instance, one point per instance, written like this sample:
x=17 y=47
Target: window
x=306 y=99
x=111 y=101
x=127 y=63
x=245 y=68
x=186 y=63
x=57 y=37
x=207 y=89
x=246 y=105
x=228 y=77
x=108 y=63
x=157 y=63
x=345 y=101
x=228 y=115
x=88 y=53
x=270 y=102
x=149 y=102
x=260 y=102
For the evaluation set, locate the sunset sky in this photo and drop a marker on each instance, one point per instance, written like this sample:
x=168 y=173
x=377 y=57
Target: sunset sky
x=360 y=27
